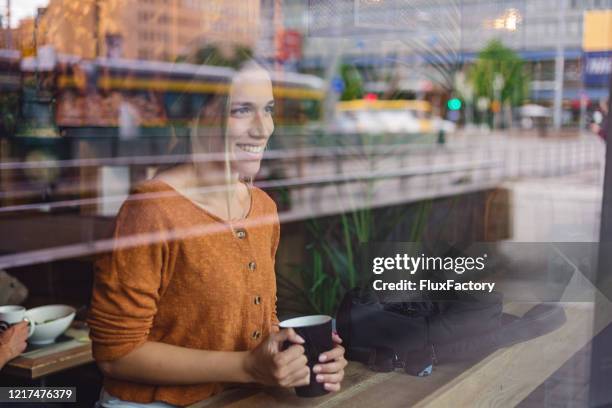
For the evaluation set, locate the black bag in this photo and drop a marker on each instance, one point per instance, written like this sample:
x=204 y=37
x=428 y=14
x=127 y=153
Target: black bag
x=414 y=335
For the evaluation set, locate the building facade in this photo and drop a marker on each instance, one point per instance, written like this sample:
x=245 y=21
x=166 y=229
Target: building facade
x=147 y=29
x=409 y=36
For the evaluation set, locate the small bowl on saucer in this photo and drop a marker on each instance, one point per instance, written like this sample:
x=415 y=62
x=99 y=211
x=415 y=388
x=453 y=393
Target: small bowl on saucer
x=51 y=321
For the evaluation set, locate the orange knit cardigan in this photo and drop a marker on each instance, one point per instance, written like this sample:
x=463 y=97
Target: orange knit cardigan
x=182 y=276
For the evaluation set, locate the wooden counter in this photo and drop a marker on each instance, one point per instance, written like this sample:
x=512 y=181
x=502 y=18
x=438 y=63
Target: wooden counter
x=53 y=358
x=503 y=378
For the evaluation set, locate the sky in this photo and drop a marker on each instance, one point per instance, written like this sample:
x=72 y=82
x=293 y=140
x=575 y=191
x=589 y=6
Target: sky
x=21 y=9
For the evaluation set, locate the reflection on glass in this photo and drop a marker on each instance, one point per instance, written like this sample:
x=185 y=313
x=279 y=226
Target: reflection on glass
x=442 y=124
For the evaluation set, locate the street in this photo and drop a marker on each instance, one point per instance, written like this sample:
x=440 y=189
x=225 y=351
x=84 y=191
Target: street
x=353 y=177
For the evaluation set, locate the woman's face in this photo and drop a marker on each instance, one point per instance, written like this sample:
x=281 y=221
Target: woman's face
x=250 y=123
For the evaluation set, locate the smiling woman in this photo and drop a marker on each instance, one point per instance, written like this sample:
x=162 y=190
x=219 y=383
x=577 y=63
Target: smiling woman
x=239 y=126
x=186 y=301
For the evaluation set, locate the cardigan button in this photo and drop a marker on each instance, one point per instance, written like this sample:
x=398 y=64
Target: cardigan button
x=252 y=265
x=257 y=300
x=241 y=234
x=256 y=334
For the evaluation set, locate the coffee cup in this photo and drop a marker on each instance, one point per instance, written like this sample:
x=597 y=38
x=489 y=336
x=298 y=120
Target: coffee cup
x=13 y=314
x=316 y=330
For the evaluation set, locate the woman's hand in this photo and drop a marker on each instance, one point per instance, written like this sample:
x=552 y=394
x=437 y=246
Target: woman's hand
x=331 y=370
x=268 y=365
x=13 y=342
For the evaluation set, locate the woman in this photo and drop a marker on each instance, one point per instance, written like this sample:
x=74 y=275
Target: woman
x=186 y=302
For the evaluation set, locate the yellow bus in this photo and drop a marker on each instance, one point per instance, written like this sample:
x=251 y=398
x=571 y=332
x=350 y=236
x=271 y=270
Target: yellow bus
x=90 y=94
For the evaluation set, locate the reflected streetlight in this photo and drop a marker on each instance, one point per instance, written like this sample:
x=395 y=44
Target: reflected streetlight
x=509 y=20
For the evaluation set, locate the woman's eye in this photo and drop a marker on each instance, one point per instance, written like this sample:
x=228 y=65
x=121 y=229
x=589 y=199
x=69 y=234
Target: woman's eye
x=243 y=111
x=270 y=109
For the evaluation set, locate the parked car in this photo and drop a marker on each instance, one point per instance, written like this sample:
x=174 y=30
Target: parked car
x=383 y=117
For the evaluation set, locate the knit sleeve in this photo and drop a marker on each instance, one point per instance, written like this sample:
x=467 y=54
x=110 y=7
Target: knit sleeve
x=127 y=282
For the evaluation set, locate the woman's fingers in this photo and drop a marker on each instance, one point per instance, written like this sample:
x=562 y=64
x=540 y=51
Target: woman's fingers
x=303 y=381
x=284 y=358
x=293 y=337
x=297 y=364
x=14 y=339
x=330 y=368
x=21 y=347
x=332 y=387
x=330 y=378
x=291 y=366
x=21 y=330
x=287 y=335
x=332 y=354
x=297 y=378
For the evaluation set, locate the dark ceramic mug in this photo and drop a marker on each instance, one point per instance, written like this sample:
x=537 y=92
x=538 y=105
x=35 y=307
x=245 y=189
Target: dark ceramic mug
x=316 y=330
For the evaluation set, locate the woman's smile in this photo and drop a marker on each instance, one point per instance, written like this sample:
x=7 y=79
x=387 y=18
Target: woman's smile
x=251 y=148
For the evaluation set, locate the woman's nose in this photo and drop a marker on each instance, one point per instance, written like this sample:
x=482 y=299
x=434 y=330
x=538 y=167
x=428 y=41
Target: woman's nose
x=258 y=127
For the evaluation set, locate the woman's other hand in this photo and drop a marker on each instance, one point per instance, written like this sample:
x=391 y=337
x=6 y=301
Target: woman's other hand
x=330 y=370
x=268 y=365
x=13 y=342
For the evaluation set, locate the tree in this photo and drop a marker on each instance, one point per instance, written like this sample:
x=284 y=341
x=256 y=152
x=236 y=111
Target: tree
x=353 y=84
x=494 y=60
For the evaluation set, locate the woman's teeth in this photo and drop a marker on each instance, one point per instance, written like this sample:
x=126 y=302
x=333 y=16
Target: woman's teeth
x=251 y=148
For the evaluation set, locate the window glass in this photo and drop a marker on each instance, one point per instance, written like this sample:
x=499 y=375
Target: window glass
x=192 y=172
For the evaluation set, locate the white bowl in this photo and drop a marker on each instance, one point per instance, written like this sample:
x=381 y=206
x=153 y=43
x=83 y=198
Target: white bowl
x=61 y=317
